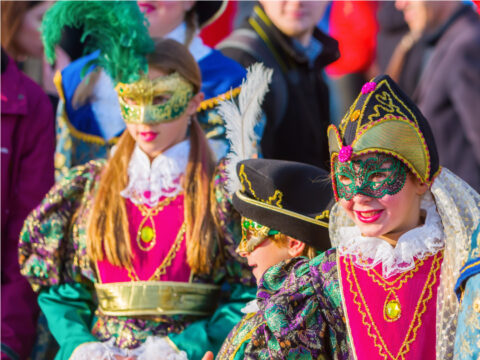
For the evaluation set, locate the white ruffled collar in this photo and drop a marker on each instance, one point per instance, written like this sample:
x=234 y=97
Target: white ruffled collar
x=197 y=48
x=148 y=182
x=368 y=252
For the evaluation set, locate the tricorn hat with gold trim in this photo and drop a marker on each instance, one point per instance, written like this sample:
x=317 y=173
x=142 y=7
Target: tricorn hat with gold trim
x=288 y=197
x=384 y=120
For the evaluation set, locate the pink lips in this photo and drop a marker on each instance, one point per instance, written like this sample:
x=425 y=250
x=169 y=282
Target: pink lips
x=148 y=135
x=147 y=8
x=368 y=216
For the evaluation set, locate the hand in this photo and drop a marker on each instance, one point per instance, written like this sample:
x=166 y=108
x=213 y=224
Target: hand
x=119 y=357
x=208 y=356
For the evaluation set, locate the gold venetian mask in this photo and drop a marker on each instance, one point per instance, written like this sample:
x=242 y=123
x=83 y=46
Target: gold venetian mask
x=253 y=235
x=156 y=101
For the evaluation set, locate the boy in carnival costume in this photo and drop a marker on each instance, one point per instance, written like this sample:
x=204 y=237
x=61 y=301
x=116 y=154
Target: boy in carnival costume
x=401 y=228
x=285 y=208
x=124 y=252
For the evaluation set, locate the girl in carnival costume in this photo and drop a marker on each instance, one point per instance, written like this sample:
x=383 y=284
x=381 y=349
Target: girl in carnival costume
x=401 y=229
x=124 y=253
x=88 y=119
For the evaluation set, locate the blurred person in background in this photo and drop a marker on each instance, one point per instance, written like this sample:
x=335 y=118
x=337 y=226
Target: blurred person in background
x=446 y=67
x=353 y=24
x=89 y=121
x=283 y=35
x=21 y=39
x=28 y=142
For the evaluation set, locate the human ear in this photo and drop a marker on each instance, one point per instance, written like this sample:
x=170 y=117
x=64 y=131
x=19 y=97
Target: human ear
x=421 y=188
x=195 y=103
x=295 y=247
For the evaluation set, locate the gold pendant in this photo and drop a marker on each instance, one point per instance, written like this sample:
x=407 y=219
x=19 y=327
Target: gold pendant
x=146 y=234
x=392 y=309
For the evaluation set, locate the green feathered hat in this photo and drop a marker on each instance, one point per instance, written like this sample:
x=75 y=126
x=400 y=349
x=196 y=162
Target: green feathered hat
x=117 y=28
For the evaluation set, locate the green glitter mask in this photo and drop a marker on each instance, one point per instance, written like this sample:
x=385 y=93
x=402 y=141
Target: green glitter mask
x=156 y=101
x=376 y=177
x=253 y=235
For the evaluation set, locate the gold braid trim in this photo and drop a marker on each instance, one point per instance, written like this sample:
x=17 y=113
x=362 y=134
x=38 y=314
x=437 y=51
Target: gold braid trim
x=416 y=322
x=212 y=102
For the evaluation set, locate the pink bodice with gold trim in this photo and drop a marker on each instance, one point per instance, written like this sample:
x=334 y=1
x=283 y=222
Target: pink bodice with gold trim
x=167 y=225
x=412 y=335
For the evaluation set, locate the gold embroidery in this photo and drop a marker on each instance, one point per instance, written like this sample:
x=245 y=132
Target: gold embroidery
x=323 y=215
x=367 y=318
x=162 y=268
x=277 y=196
x=355 y=116
x=148 y=234
x=392 y=307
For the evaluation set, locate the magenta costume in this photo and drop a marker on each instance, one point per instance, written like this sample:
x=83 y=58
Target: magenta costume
x=28 y=142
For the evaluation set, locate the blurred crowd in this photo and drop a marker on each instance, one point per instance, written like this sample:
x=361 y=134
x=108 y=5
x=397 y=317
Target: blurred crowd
x=322 y=52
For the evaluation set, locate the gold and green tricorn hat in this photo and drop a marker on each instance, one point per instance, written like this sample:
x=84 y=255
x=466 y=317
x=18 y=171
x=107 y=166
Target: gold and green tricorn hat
x=119 y=30
x=383 y=120
x=286 y=197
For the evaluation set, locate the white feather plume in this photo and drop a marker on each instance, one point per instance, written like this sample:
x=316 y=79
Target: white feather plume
x=240 y=120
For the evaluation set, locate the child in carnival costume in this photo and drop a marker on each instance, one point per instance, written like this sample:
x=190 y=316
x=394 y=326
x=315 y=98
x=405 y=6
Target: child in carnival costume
x=88 y=119
x=124 y=252
x=401 y=231
x=467 y=345
x=284 y=207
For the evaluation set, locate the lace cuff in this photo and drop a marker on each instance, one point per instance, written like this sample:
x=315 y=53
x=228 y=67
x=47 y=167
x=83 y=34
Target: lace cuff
x=96 y=351
x=156 y=348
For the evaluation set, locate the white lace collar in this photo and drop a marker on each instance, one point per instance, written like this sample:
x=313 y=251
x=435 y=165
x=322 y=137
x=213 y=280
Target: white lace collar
x=148 y=182
x=197 y=48
x=419 y=242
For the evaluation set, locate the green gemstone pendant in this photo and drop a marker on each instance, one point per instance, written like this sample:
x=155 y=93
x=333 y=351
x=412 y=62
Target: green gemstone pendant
x=147 y=234
x=392 y=309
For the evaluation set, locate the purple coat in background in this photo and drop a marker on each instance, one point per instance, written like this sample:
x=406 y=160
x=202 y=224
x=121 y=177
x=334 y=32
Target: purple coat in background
x=27 y=148
x=449 y=95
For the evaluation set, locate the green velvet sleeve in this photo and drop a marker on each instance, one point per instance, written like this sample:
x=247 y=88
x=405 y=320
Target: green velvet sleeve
x=209 y=334
x=69 y=310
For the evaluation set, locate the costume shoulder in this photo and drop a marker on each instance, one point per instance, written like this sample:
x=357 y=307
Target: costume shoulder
x=220 y=74
x=291 y=311
x=50 y=241
x=228 y=220
x=472 y=265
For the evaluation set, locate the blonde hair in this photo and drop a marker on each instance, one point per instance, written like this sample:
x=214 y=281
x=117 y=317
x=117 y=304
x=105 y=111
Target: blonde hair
x=108 y=230
x=281 y=240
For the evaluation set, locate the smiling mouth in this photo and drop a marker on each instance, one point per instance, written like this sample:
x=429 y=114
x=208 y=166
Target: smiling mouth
x=368 y=216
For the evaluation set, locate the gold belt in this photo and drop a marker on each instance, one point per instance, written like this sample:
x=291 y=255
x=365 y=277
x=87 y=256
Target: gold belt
x=156 y=298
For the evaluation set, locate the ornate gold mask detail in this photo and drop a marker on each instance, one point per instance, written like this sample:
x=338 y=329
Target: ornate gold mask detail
x=156 y=101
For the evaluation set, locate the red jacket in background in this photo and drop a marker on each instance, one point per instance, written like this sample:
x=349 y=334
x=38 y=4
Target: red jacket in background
x=354 y=25
x=220 y=28
x=27 y=148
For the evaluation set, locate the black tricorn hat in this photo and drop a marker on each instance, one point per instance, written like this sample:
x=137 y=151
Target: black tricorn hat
x=286 y=196
x=383 y=119
x=209 y=11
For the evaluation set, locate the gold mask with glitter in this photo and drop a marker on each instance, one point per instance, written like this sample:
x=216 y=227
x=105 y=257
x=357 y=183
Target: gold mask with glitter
x=253 y=235
x=156 y=101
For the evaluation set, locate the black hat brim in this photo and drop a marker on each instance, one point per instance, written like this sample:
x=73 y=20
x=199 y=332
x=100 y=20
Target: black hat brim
x=209 y=11
x=303 y=228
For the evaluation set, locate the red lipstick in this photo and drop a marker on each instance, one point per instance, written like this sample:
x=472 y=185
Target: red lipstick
x=368 y=216
x=148 y=135
x=145 y=7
